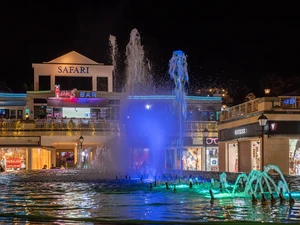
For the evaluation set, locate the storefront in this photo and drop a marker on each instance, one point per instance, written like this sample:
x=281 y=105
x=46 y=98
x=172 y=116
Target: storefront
x=13 y=158
x=197 y=154
x=242 y=148
x=20 y=153
x=212 y=154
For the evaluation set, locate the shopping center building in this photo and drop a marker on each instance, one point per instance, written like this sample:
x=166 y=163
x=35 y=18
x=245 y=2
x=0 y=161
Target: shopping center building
x=73 y=97
x=246 y=145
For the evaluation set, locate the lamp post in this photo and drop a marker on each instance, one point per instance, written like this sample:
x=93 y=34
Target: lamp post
x=81 y=139
x=262 y=120
x=205 y=135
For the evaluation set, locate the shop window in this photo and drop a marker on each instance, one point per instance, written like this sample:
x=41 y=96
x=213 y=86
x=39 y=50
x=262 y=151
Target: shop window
x=294 y=156
x=13 y=114
x=13 y=159
x=65 y=159
x=40 y=112
x=4 y=113
x=20 y=114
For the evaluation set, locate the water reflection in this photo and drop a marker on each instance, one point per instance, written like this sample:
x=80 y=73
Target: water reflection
x=64 y=197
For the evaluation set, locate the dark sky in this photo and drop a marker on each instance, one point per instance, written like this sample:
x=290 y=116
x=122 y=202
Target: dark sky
x=233 y=41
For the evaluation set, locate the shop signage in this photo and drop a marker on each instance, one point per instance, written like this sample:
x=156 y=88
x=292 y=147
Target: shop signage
x=73 y=69
x=240 y=131
x=13 y=162
x=289 y=101
x=72 y=93
x=59 y=93
x=212 y=141
x=88 y=94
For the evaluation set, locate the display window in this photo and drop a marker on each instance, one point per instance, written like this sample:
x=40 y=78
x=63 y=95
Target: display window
x=13 y=159
x=191 y=159
x=294 y=156
x=233 y=158
x=140 y=158
x=65 y=159
x=255 y=155
x=212 y=159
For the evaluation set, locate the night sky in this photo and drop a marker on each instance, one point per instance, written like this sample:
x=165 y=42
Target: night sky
x=239 y=42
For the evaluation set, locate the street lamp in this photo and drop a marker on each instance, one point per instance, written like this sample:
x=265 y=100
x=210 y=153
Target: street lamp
x=81 y=139
x=205 y=135
x=262 y=120
x=267 y=91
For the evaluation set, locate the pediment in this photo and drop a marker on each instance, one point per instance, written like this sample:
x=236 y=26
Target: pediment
x=73 y=57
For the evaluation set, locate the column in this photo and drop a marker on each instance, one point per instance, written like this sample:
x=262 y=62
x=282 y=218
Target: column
x=29 y=159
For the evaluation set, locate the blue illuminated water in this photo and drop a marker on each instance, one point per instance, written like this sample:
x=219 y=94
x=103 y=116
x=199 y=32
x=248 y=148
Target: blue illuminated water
x=179 y=73
x=89 y=197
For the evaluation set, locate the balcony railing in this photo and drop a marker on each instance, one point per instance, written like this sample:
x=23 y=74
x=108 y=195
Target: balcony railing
x=88 y=124
x=240 y=110
x=261 y=104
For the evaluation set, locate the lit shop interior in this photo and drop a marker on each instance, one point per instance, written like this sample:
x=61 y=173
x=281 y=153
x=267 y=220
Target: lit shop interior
x=18 y=158
x=233 y=156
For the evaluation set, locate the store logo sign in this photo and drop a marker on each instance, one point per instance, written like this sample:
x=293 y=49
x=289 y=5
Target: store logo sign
x=60 y=94
x=273 y=126
x=73 y=69
x=212 y=141
x=240 y=131
x=87 y=94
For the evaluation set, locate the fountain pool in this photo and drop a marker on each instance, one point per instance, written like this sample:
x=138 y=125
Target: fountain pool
x=74 y=196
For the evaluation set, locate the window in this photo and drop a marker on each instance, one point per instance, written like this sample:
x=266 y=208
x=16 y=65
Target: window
x=69 y=83
x=44 y=83
x=102 y=84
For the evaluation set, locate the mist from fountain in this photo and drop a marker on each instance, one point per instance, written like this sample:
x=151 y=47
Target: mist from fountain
x=138 y=77
x=148 y=125
x=114 y=58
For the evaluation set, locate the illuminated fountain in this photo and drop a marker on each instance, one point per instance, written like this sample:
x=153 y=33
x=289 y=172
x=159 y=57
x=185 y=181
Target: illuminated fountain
x=148 y=123
x=256 y=184
x=178 y=72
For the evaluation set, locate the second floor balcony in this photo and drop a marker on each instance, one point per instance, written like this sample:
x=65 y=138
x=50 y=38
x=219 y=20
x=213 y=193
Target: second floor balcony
x=16 y=125
x=280 y=103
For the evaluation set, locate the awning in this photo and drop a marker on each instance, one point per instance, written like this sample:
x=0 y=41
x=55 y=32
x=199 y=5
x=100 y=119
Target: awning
x=12 y=103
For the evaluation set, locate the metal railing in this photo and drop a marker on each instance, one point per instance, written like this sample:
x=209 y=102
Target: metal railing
x=240 y=110
x=88 y=124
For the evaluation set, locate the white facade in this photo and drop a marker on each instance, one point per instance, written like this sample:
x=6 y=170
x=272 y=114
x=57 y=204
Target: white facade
x=72 y=64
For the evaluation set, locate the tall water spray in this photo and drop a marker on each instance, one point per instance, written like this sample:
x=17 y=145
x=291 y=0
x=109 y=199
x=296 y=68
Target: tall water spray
x=114 y=55
x=138 y=77
x=178 y=72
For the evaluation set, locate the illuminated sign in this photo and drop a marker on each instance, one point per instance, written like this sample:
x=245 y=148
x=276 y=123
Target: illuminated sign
x=13 y=162
x=289 y=101
x=72 y=93
x=240 y=131
x=273 y=126
x=212 y=141
x=72 y=69
x=59 y=93
x=87 y=94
